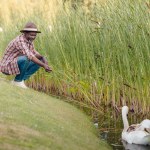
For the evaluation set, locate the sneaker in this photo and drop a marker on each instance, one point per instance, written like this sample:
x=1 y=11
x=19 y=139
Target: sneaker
x=24 y=84
x=20 y=84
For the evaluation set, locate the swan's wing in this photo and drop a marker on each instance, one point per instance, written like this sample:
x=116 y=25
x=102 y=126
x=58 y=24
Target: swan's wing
x=145 y=123
x=139 y=137
x=133 y=127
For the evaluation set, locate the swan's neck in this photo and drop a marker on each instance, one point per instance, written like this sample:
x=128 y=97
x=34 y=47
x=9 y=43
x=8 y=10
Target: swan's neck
x=125 y=121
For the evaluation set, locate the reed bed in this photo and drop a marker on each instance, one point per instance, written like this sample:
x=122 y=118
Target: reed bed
x=100 y=56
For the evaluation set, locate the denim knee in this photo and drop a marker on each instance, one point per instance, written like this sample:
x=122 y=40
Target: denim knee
x=23 y=59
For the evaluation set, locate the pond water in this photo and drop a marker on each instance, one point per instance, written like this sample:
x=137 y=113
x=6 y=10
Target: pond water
x=114 y=140
x=110 y=128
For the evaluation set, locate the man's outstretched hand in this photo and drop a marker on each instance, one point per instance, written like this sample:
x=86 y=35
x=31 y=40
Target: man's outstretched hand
x=47 y=68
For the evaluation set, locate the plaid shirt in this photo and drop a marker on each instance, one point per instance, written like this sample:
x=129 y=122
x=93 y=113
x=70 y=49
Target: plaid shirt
x=17 y=47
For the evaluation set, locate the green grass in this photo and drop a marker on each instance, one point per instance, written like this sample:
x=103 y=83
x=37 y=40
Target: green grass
x=32 y=120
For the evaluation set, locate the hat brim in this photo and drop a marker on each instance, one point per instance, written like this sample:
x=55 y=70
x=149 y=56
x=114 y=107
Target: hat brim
x=29 y=31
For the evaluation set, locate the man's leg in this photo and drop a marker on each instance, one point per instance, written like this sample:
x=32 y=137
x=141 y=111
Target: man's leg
x=27 y=68
x=32 y=68
x=23 y=63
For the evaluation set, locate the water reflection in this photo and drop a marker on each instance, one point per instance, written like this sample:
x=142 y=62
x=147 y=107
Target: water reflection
x=134 y=146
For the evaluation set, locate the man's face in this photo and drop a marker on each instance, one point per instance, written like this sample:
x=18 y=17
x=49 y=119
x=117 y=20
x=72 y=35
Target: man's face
x=30 y=35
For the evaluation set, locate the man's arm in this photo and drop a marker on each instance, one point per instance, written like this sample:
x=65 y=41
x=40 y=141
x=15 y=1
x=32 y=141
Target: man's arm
x=42 y=64
x=42 y=58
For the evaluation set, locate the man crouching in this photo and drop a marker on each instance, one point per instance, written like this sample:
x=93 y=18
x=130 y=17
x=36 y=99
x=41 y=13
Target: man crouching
x=20 y=57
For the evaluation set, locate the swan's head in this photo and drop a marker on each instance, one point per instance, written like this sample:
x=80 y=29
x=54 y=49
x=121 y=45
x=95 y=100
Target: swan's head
x=125 y=110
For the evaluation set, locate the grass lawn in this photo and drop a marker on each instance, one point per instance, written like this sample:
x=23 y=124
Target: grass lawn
x=30 y=120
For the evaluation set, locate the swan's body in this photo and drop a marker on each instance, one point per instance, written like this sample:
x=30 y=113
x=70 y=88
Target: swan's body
x=137 y=133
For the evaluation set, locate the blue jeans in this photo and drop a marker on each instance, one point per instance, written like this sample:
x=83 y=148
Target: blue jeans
x=26 y=67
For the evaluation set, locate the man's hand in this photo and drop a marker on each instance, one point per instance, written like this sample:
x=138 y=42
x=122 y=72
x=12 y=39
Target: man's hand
x=47 y=68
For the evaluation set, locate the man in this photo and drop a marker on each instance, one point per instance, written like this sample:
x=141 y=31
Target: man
x=20 y=57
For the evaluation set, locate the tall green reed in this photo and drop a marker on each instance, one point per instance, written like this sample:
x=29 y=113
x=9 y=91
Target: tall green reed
x=100 y=59
x=113 y=56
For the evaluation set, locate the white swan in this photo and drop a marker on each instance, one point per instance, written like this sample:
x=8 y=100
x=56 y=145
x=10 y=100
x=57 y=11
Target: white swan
x=136 y=133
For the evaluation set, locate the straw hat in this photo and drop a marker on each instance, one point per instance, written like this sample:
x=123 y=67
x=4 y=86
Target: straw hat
x=30 y=27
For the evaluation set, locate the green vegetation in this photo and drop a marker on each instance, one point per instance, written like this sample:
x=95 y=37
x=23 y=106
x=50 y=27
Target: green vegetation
x=100 y=57
x=32 y=120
